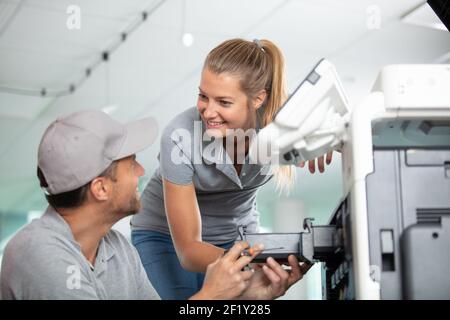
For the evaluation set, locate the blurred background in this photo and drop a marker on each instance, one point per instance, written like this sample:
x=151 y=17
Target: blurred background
x=136 y=58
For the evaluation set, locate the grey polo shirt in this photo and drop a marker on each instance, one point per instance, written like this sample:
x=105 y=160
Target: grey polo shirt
x=43 y=261
x=226 y=200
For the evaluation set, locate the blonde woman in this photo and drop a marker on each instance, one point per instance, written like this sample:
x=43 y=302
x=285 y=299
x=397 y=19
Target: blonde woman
x=205 y=188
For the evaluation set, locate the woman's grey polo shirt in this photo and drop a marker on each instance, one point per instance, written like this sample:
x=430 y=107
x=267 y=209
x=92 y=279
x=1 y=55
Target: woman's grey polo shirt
x=226 y=200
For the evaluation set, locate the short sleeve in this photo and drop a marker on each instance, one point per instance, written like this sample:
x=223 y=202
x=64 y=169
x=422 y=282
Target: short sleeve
x=45 y=276
x=175 y=156
x=145 y=289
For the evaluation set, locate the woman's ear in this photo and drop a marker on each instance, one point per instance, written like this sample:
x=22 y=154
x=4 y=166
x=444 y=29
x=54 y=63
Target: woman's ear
x=258 y=101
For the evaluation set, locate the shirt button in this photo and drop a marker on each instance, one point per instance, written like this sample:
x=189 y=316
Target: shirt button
x=243 y=174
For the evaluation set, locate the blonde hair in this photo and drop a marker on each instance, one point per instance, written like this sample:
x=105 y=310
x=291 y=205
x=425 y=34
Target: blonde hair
x=259 y=64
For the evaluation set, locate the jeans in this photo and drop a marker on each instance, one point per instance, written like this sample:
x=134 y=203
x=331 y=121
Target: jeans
x=163 y=268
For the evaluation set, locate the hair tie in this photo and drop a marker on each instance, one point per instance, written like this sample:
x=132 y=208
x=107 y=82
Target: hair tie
x=258 y=43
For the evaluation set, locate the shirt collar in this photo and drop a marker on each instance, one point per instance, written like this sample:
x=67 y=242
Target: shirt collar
x=56 y=222
x=53 y=220
x=219 y=156
x=213 y=152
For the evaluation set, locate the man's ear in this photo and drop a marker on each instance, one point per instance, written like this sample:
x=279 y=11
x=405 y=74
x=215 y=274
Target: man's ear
x=258 y=101
x=100 y=188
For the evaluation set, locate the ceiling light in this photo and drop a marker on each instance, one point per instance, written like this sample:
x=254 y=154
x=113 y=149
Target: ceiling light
x=188 y=39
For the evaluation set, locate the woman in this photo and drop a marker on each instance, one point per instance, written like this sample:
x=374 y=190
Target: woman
x=203 y=191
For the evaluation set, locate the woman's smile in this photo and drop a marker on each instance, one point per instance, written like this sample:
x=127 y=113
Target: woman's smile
x=215 y=124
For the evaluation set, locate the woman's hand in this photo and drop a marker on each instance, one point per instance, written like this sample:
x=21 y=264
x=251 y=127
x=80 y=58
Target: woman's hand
x=272 y=281
x=226 y=278
x=320 y=162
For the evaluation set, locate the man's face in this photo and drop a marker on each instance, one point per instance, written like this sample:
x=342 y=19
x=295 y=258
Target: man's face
x=126 y=198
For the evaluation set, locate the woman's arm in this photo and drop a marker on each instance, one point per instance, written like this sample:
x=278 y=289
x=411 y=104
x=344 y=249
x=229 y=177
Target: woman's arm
x=183 y=216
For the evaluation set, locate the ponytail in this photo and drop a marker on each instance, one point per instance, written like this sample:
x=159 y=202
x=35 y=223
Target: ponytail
x=284 y=175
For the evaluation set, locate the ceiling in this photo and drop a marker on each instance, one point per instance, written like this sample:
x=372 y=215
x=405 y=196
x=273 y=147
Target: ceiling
x=153 y=73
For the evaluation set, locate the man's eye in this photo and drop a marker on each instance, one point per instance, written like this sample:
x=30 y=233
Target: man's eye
x=202 y=96
x=225 y=103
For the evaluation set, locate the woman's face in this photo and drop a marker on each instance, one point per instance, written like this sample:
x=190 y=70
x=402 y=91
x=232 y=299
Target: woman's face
x=223 y=105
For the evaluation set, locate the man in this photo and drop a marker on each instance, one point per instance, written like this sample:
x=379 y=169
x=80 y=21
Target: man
x=88 y=169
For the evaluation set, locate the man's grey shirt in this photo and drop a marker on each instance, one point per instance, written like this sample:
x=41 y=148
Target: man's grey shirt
x=226 y=200
x=43 y=261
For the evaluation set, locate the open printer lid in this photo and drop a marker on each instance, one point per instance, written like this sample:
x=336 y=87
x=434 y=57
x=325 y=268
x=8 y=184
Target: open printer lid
x=309 y=123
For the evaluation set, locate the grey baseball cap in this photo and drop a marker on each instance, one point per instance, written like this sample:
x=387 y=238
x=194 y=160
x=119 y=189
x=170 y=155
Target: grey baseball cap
x=77 y=148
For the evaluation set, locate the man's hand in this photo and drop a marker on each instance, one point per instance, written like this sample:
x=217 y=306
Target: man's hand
x=225 y=277
x=320 y=162
x=271 y=281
